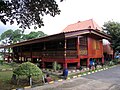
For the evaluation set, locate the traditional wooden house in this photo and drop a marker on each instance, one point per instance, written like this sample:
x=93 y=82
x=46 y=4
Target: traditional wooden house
x=75 y=45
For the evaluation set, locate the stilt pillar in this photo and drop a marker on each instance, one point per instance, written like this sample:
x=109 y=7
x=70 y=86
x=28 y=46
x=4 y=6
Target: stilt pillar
x=43 y=64
x=78 y=65
x=88 y=62
x=64 y=65
x=102 y=60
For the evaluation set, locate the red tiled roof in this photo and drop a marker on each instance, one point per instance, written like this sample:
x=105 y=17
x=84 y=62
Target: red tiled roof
x=80 y=25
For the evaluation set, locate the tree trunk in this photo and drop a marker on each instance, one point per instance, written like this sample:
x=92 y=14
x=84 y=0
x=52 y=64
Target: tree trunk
x=43 y=79
x=30 y=80
x=18 y=80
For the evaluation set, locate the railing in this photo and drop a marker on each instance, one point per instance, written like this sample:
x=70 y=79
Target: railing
x=83 y=52
x=53 y=54
x=71 y=54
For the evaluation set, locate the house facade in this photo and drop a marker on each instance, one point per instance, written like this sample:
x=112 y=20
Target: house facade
x=75 y=46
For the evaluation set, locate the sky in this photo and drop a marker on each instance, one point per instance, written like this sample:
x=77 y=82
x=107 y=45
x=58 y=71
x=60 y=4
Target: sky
x=73 y=11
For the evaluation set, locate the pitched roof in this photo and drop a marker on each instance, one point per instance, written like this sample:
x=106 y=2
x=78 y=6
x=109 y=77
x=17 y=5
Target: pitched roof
x=80 y=25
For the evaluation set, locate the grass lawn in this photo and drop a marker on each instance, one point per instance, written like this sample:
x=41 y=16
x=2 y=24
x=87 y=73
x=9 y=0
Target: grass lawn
x=8 y=65
x=5 y=78
x=5 y=81
x=5 y=66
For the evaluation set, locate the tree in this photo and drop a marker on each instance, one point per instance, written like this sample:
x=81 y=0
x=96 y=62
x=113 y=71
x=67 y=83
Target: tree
x=33 y=34
x=28 y=69
x=17 y=36
x=10 y=36
x=113 y=29
x=6 y=36
x=27 y=12
x=14 y=36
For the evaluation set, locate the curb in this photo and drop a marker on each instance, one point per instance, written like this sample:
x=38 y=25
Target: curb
x=74 y=77
x=51 y=82
x=68 y=78
x=79 y=75
x=26 y=87
x=60 y=80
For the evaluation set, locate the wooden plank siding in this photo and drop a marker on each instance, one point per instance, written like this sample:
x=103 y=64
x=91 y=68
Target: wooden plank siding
x=95 y=48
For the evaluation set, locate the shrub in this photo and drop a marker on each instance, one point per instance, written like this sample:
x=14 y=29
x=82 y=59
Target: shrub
x=115 y=61
x=56 y=66
x=1 y=62
x=111 y=63
x=28 y=69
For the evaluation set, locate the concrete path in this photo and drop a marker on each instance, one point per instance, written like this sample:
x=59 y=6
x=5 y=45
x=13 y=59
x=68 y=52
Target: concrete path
x=104 y=80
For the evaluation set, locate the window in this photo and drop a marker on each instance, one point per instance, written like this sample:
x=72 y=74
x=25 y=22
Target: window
x=71 y=44
x=96 y=45
x=83 y=46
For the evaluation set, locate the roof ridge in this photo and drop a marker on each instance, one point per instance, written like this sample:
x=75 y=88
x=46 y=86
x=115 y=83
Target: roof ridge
x=92 y=23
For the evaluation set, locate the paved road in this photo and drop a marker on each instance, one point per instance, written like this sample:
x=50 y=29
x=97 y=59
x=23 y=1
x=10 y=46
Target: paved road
x=111 y=75
x=104 y=80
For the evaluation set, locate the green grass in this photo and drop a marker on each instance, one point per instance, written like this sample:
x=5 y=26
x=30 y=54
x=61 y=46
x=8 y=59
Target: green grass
x=5 y=81
x=5 y=78
x=8 y=65
x=5 y=66
x=5 y=75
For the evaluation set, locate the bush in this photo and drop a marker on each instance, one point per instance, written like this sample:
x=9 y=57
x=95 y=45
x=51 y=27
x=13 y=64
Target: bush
x=1 y=62
x=56 y=66
x=28 y=69
x=115 y=61
x=111 y=63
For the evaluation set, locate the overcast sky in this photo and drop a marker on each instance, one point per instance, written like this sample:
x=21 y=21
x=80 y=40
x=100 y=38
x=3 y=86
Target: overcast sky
x=73 y=11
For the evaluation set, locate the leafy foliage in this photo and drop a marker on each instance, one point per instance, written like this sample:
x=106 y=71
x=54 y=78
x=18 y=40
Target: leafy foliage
x=28 y=69
x=113 y=29
x=6 y=36
x=56 y=66
x=10 y=36
x=27 y=12
x=17 y=36
x=33 y=34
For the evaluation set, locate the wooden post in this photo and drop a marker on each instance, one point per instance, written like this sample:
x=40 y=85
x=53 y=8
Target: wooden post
x=44 y=47
x=31 y=53
x=88 y=62
x=102 y=60
x=64 y=65
x=20 y=54
x=78 y=52
x=78 y=47
x=65 y=48
x=43 y=64
x=65 y=52
x=78 y=65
